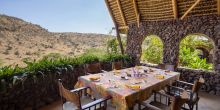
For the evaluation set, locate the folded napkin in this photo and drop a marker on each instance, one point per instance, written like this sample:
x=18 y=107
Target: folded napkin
x=116 y=71
x=138 y=67
x=134 y=86
x=160 y=76
x=93 y=78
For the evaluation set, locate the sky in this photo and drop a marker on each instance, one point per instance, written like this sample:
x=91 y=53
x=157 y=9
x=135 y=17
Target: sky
x=84 y=16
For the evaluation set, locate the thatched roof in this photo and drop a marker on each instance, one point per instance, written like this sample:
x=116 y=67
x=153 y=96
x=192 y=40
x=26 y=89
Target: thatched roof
x=125 y=12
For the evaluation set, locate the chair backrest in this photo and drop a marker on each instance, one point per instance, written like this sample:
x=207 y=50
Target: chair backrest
x=178 y=101
x=93 y=68
x=166 y=67
x=161 y=66
x=198 y=84
x=69 y=96
x=169 y=67
x=117 y=65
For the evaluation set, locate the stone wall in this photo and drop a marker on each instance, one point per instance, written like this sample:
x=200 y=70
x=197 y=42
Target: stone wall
x=36 y=92
x=212 y=80
x=171 y=33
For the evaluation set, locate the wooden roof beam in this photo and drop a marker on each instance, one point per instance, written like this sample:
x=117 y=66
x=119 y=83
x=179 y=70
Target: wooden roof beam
x=175 y=11
x=110 y=12
x=121 y=12
x=136 y=12
x=218 y=6
x=187 y=12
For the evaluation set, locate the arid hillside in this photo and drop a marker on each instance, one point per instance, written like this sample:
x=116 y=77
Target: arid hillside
x=20 y=40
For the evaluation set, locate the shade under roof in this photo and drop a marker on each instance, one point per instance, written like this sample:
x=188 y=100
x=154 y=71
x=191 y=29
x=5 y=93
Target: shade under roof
x=125 y=12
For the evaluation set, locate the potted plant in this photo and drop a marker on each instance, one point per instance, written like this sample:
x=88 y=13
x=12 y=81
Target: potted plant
x=106 y=62
x=92 y=64
x=117 y=61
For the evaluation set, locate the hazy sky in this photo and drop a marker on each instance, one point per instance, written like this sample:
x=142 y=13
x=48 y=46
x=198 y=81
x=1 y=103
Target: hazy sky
x=88 y=16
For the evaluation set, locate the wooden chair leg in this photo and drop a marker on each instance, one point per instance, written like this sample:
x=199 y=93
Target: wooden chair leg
x=139 y=106
x=190 y=107
x=197 y=106
x=131 y=108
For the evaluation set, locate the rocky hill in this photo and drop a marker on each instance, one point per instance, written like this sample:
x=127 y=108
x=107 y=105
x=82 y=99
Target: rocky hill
x=20 y=39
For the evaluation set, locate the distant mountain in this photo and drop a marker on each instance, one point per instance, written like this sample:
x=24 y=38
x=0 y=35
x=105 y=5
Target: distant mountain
x=20 y=39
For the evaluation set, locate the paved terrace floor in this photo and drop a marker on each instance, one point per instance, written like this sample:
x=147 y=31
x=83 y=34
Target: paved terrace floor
x=207 y=102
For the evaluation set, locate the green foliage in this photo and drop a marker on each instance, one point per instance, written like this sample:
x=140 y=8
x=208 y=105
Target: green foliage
x=55 y=64
x=8 y=71
x=112 y=46
x=188 y=55
x=152 y=50
x=189 y=58
x=193 y=41
x=89 y=58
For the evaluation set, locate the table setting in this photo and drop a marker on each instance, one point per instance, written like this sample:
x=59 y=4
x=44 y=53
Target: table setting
x=128 y=85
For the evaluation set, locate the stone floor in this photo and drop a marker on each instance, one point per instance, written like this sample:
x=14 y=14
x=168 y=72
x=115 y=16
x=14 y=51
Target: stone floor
x=207 y=102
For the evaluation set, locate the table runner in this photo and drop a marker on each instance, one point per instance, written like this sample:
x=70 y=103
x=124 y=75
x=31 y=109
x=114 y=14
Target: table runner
x=111 y=83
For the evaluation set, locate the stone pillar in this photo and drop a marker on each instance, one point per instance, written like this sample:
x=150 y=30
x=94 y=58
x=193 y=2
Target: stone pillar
x=134 y=42
x=171 y=47
x=216 y=50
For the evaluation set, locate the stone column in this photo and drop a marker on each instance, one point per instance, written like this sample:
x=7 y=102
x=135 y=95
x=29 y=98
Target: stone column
x=134 y=42
x=216 y=50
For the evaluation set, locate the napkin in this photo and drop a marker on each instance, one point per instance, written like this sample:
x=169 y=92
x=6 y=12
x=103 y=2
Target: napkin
x=160 y=76
x=94 y=78
x=134 y=86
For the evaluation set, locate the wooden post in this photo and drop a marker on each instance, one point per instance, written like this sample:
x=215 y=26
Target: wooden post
x=187 y=12
x=218 y=6
x=116 y=27
x=119 y=40
x=175 y=12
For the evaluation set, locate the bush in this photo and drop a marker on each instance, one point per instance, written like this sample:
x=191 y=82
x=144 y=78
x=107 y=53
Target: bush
x=89 y=58
x=188 y=55
x=112 y=46
x=189 y=58
x=153 y=50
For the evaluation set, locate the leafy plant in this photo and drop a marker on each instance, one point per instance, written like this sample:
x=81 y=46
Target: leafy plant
x=152 y=50
x=89 y=58
x=112 y=46
x=189 y=58
x=188 y=54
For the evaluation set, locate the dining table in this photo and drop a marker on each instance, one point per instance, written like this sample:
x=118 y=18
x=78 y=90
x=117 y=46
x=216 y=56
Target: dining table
x=128 y=86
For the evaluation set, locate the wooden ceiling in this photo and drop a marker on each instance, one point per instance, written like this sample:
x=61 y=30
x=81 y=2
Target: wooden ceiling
x=125 y=12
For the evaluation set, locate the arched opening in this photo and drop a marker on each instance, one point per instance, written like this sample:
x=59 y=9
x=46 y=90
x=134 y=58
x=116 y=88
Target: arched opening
x=152 y=50
x=195 y=52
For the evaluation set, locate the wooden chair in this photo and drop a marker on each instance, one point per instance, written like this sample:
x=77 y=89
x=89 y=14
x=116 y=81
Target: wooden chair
x=72 y=99
x=192 y=89
x=166 y=67
x=117 y=65
x=93 y=68
x=161 y=66
x=170 y=67
x=162 y=102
